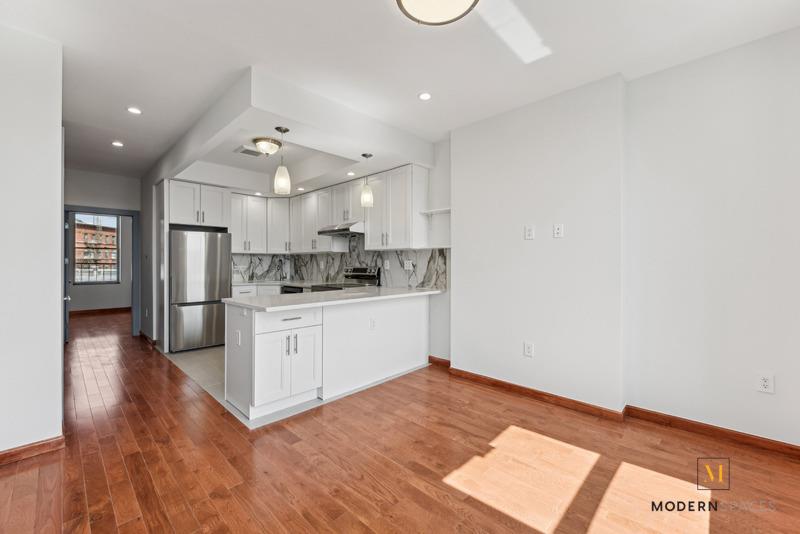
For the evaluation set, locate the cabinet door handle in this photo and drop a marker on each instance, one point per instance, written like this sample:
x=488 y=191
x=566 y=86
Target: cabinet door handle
x=245 y=292
x=197 y=217
x=292 y=318
x=295 y=343
x=288 y=344
x=203 y=218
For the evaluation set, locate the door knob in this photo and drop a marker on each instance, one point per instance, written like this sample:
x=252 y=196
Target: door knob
x=67 y=298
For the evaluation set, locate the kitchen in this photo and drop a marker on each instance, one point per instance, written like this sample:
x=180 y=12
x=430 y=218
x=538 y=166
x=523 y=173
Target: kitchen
x=280 y=304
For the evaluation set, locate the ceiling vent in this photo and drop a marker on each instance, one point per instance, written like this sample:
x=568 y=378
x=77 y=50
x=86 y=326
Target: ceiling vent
x=248 y=150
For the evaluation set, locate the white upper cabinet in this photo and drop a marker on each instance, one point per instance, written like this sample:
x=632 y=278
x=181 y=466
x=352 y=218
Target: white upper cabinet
x=375 y=217
x=347 y=202
x=184 y=202
x=257 y=225
x=199 y=205
x=278 y=225
x=248 y=224
x=324 y=218
x=309 y=223
x=395 y=221
x=215 y=203
x=354 y=211
x=296 y=224
x=340 y=203
x=238 y=226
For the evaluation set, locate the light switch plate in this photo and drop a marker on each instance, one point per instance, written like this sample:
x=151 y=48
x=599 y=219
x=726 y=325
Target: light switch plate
x=408 y=265
x=529 y=232
x=558 y=231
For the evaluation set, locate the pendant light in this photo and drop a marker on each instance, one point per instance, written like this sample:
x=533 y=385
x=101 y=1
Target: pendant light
x=436 y=12
x=283 y=182
x=367 y=200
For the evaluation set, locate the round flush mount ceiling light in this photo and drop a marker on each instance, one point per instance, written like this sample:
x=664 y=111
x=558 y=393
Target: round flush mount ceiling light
x=424 y=96
x=301 y=188
x=351 y=173
x=133 y=110
x=436 y=12
x=267 y=145
x=118 y=144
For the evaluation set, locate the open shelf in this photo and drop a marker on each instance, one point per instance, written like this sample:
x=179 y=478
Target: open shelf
x=438 y=211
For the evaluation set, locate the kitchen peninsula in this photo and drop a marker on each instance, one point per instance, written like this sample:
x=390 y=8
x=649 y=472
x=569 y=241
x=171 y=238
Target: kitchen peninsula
x=282 y=351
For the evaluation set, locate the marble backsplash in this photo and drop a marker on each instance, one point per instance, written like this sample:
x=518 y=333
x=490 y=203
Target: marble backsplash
x=429 y=266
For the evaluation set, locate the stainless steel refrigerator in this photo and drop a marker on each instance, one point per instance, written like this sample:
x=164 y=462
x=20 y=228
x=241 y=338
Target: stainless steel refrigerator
x=199 y=277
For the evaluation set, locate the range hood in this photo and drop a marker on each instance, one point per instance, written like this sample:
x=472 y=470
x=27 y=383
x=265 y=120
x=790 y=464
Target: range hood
x=344 y=229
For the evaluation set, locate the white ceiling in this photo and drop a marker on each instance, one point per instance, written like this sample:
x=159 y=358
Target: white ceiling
x=224 y=153
x=175 y=58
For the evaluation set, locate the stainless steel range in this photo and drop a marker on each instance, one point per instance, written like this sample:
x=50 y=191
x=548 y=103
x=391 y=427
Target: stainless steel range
x=353 y=277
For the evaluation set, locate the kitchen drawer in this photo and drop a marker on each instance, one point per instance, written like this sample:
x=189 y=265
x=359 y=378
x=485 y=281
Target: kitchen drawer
x=244 y=291
x=276 y=321
x=269 y=290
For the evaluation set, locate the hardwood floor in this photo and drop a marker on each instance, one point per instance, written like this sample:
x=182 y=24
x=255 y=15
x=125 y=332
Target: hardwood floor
x=147 y=450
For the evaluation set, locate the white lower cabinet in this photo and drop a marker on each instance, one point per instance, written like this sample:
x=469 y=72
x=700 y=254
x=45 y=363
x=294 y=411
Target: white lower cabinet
x=273 y=360
x=272 y=371
x=268 y=290
x=287 y=363
x=244 y=291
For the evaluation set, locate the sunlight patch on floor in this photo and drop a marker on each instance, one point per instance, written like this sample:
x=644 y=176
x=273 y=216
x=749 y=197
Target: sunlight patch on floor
x=527 y=476
x=626 y=504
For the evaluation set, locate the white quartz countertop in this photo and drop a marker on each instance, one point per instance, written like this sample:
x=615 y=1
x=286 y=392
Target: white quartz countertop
x=296 y=301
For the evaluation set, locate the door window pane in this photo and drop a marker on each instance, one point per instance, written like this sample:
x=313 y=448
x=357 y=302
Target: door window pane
x=96 y=249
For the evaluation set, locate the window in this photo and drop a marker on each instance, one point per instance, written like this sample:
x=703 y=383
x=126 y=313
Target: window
x=96 y=255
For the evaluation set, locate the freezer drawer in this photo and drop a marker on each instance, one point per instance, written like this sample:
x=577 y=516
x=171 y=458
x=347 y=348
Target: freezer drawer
x=192 y=326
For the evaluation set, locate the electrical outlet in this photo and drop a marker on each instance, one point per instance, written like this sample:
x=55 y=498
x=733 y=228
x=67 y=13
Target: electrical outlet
x=527 y=349
x=372 y=324
x=408 y=265
x=529 y=232
x=147 y=312
x=766 y=384
x=558 y=231
x=387 y=265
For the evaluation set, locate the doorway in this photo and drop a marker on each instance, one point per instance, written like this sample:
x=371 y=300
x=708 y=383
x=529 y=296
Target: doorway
x=101 y=262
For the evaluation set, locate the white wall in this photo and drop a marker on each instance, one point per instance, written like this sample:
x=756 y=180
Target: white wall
x=104 y=296
x=555 y=161
x=439 y=197
x=712 y=262
x=97 y=190
x=30 y=167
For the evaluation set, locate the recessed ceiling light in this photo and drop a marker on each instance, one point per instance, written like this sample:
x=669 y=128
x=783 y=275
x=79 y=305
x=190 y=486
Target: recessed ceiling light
x=351 y=173
x=134 y=110
x=424 y=96
x=258 y=194
x=118 y=144
x=301 y=189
